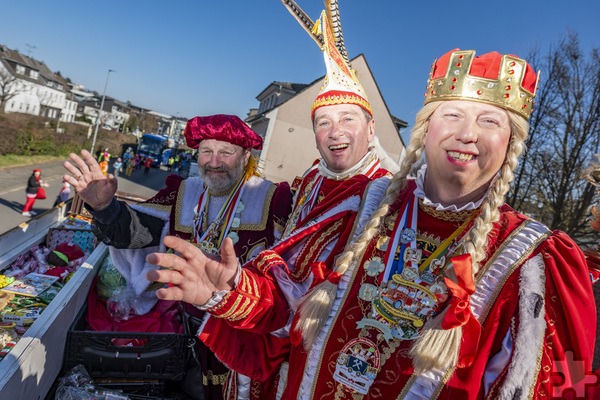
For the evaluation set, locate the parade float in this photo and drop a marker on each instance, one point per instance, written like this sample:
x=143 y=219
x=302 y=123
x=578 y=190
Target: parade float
x=47 y=267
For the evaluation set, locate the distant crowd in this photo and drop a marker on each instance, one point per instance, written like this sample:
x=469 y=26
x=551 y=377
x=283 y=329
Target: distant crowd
x=130 y=161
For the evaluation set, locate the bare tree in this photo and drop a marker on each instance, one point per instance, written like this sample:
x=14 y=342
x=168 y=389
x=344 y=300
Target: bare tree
x=148 y=122
x=9 y=87
x=564 y=136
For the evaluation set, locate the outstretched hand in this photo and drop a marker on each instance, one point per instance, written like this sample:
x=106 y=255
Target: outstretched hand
x=89 y=182
x=192 y=275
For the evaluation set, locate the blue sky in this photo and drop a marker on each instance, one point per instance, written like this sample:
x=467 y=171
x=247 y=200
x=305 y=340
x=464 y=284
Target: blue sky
x=199 y=57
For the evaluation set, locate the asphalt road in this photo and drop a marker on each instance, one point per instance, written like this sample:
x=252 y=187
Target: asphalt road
x=13 y=182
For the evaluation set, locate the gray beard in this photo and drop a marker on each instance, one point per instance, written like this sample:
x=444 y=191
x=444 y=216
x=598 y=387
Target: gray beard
x=222 y=184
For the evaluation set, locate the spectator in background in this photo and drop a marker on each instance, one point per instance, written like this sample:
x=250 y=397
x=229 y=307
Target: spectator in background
x=140 y=161
x=63 y=194
x=104 y=156
x=176 y=164
x=147 y=165
x=117 y=167
x=104 y=166
x=34 y=183
x=129 y=166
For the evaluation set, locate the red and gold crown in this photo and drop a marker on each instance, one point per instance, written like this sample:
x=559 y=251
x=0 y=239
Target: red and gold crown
x=341 y=86
x=502 y=80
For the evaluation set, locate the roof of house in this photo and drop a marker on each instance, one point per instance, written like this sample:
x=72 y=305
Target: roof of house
x=11 y=58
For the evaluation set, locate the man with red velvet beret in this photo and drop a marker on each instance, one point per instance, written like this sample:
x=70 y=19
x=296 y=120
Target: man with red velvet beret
x=227 y=200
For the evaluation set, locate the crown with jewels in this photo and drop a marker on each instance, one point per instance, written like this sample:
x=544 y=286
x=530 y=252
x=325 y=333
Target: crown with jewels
x=505 y=81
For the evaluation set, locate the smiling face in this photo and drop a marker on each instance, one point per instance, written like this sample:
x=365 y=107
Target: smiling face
x=343 y=134
x=221 y=164
x=465 y=147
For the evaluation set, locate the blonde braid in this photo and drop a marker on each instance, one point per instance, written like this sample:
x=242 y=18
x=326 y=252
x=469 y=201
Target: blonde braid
x=437 y=347
x=315 y=306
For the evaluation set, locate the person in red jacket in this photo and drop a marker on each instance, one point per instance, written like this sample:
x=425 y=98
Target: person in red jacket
x=147 y=165
x=34 y=183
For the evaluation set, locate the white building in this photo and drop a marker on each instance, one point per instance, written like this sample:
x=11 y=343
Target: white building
x=29 y=86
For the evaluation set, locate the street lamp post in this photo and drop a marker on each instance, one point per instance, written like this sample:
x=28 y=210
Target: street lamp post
x=100 y=112
x=174 y=126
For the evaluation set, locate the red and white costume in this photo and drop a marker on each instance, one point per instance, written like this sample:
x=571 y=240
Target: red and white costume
x=530 y=310
x=324 y=210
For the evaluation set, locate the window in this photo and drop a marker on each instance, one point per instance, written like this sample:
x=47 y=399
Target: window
x=20 y=69
x=34 y=74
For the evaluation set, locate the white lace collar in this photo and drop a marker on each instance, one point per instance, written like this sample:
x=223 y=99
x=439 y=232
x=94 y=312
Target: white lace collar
x=420 y=193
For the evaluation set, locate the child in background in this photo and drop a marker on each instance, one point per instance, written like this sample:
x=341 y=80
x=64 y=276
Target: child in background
x=117 y=165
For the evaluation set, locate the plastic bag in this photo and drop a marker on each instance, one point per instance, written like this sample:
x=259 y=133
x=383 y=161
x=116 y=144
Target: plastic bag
x=77 y=384
x=41 y=193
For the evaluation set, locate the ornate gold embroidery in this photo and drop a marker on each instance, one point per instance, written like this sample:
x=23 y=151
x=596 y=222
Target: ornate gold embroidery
x=214 y=379
x=244 y=309
x=460 y=216
x=266 y=259
x=232 y=310
x=315 y=246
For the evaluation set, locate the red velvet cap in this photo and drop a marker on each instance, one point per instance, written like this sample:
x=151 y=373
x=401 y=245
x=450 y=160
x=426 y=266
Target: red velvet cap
x=37 y=170
x=226 y=128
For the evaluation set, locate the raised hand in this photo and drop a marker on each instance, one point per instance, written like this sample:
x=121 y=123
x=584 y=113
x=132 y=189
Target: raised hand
x=192 y=275
x=89 y=182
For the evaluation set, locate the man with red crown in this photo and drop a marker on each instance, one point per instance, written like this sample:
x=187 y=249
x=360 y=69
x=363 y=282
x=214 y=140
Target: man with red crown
x=443 y=290
x=227 y=200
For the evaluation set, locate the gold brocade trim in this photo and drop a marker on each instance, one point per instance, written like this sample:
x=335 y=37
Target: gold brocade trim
x=538 y=365
x=411 y=381
x=315 y=246
x=178 y=207
x=243 y=309
x=299 y=200
x=233 y=309
x=444 y=215
x=243 y=305
x=154 y=206
x=223 y=302
x=266 y=259
x=214 y=379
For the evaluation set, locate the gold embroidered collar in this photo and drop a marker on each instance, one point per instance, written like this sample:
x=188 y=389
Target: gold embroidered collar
x=445 y=215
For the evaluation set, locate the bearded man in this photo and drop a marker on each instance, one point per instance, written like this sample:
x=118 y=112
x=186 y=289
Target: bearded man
x=227 y=200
